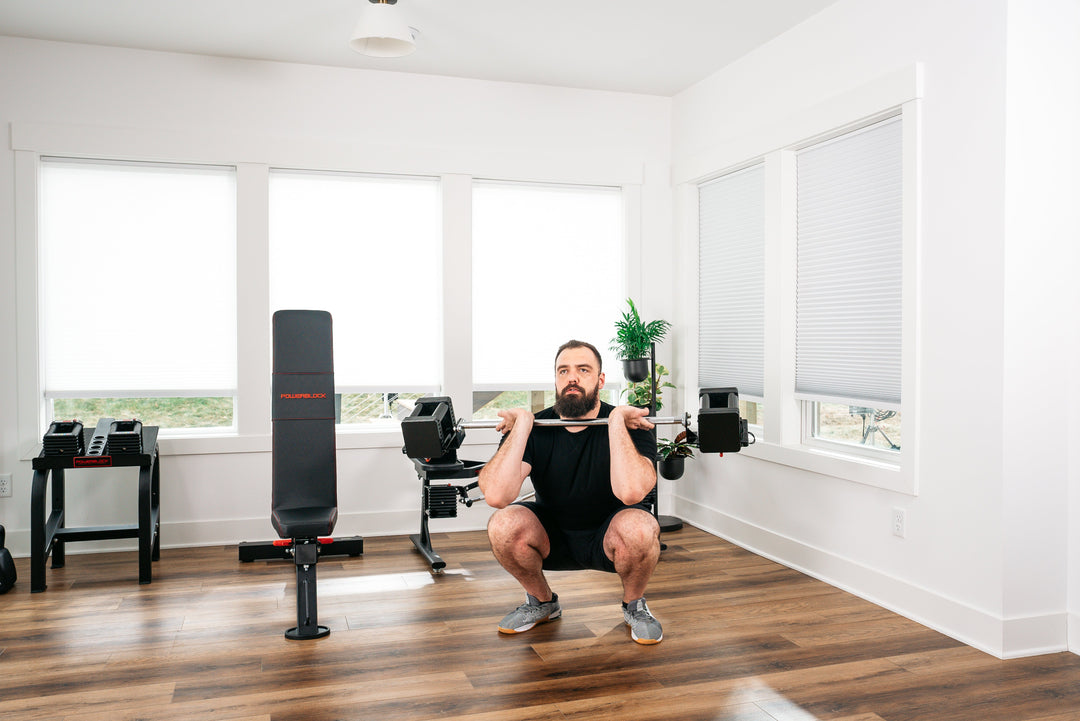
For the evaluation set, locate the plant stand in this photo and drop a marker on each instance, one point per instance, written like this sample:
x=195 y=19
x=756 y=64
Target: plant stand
x=667 y=523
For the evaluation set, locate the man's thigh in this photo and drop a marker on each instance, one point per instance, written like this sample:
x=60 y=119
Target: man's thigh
x=573 y=549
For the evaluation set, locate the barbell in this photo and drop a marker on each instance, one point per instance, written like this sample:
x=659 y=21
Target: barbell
x=433 y=435
x=562 y=422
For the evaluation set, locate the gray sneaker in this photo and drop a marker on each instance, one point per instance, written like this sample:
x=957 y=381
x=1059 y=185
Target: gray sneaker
x=529 y=614
x=643 y=627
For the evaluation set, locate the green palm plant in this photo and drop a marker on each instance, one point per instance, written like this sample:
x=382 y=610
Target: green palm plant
x=633 y=337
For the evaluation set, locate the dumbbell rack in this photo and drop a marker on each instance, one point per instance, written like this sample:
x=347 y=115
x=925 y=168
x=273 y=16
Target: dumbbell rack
x=48 y=536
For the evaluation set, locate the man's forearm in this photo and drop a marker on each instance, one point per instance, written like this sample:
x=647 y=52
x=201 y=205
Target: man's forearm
x=501 y=478
x=632 y=474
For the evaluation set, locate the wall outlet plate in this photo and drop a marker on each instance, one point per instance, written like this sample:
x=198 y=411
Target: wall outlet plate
x=898 y=522
x=5 y=485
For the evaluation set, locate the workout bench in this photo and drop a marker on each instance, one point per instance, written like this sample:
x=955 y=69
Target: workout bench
x=304 y=506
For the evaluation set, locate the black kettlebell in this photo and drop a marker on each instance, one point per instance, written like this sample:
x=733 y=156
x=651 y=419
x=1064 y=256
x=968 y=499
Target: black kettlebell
x=7 y=566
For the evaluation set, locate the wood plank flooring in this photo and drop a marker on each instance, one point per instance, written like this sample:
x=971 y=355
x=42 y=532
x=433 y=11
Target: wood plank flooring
x=745 y=639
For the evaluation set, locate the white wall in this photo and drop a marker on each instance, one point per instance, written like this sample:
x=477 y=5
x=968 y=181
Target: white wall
x=60 y=98
x=984 y=558
x=1042 y=224
x=1043 y=227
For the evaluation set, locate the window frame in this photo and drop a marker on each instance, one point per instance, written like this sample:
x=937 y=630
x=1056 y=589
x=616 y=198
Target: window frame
x=31 y=141
x=620 y=268
x=120 y=392
x=783 y=439
x=362 y=180
x=808 y=407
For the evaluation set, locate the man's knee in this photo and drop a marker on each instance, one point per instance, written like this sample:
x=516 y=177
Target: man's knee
x=515 y=527
x=634 y=532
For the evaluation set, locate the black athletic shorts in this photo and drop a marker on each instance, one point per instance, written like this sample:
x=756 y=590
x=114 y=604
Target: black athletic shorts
x=573 y=550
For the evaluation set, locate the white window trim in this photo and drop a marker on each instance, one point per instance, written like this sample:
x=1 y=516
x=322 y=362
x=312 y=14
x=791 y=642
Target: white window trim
x=455 y=168
x=781 y=440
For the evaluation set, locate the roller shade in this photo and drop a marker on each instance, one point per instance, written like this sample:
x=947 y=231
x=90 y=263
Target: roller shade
x=547 y=267
x=368 y=249
x=138 y=279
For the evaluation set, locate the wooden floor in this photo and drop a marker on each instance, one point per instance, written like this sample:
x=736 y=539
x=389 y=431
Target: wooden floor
x=744 y=639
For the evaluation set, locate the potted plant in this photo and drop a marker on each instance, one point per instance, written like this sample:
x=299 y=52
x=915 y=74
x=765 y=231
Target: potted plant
x=640 y=394
x=633 y=342
x=673 y=455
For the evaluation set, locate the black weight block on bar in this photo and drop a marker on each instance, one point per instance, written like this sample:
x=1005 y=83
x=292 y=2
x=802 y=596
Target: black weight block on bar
x=430 y=430
x=720 y=429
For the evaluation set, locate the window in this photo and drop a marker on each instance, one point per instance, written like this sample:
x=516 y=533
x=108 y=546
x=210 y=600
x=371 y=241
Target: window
x=368 y=250
x=731 y=287
x=839 y=239
x=547 y=267
x=138 y=292
x=849 y=287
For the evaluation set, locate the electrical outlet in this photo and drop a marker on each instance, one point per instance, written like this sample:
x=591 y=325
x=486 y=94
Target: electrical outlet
x=898 y=522
x=5 y=485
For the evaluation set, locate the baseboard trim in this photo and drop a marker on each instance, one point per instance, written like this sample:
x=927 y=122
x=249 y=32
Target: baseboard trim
x=224 y=532
x=1073 y=633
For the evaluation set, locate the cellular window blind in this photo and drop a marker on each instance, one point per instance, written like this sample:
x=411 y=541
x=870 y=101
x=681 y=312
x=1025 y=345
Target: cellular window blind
x=848 y=307
x=731 y=281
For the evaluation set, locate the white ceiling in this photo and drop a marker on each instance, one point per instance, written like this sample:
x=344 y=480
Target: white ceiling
x=656 y=47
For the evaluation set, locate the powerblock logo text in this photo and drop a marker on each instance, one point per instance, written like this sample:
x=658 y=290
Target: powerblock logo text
x=302 y=395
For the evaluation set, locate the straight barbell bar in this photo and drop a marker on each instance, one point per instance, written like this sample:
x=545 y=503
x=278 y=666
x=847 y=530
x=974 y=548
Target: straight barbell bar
x=494 y=422
x=433 y=435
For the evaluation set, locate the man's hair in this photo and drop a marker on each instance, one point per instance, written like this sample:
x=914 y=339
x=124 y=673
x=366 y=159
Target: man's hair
x=581 y=344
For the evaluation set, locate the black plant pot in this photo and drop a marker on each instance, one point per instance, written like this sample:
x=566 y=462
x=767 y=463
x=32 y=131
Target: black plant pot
x=636 y=369
x=672 y=467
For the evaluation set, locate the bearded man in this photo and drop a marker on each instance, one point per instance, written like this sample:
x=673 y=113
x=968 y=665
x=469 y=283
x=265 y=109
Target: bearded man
x=589 y=510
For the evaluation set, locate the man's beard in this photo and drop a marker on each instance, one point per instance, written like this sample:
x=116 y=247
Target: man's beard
x=576 y=405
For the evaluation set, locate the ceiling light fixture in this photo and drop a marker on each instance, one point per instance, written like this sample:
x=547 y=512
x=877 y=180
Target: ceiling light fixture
x=383 y=31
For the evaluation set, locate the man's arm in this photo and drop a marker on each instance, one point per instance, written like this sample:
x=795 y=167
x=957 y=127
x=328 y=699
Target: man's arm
x=501 y=478
x=632 y=474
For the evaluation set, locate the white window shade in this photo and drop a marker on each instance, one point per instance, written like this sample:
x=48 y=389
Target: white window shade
x=368 y=250
x=731 y=282
x=547 y=267
x=850 y=205
x=138 y=279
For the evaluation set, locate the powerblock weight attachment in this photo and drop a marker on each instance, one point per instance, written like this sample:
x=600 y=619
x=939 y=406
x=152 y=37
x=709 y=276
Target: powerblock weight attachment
x=441 y=501
x=63 y=438
x=720 y=429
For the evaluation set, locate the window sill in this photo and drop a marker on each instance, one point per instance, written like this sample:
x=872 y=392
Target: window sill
x=347 y=439
x=867 y=471
x=210 y=445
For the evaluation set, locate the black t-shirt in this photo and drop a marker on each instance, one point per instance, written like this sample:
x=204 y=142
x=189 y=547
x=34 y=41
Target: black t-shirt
x=571 y=472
